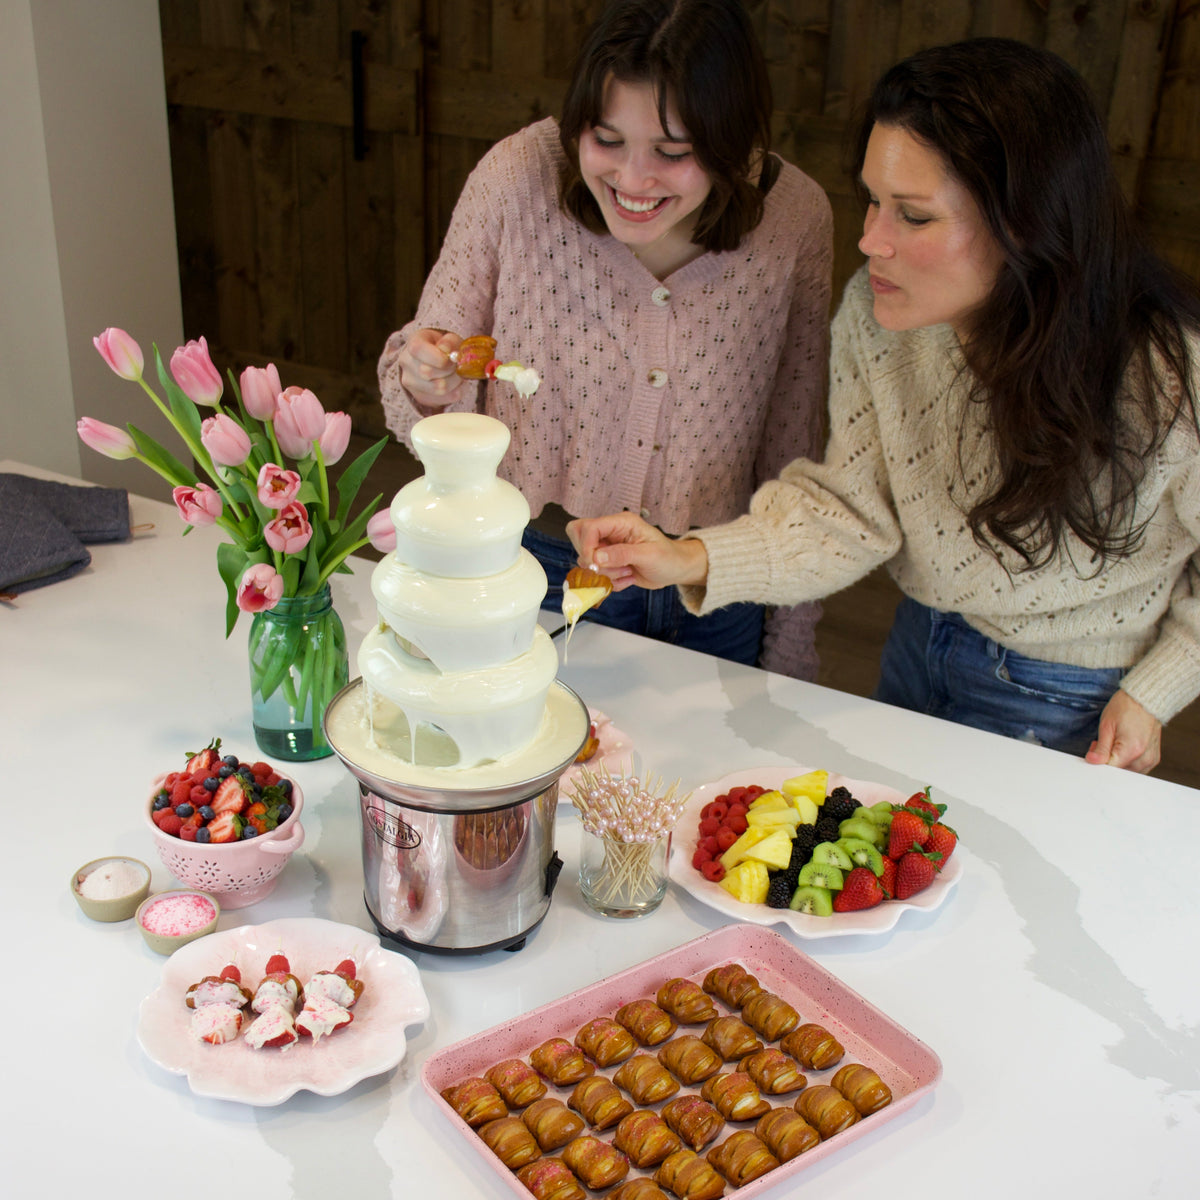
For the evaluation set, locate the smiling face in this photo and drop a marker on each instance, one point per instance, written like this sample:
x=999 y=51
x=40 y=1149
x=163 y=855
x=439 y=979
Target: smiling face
x=645 y=179
x=933 y=260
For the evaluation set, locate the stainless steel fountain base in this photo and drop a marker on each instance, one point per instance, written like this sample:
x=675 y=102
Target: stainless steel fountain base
x=459 y=870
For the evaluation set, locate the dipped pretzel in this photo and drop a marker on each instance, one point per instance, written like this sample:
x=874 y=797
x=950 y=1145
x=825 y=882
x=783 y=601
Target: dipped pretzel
x=552 y=1123
x=862 y=1087
x=510 y=1141
x=475 y=1100
x=517 y=1082
x=770 y=1016
x=645 y=1079
x=600 y=1102
x=731 y=983
x=689 y=1059
x=826 y=1109
x=695 y=1120
x=813 y=1046
x=689 y=1177
x=775 y=1072
x=560 y=1062
x=646 y=1021
x=551 y=1179
x=742 y=1157
x=605 y=1042
x=685 y=1001
x=786 y=1133
x=730 y=1037
x=646 y=1138
x=735 y=1096
x=595 y=1163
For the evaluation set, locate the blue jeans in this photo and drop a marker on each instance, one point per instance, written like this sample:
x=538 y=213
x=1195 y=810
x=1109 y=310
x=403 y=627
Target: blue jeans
x=733 y=632
x=935 y=663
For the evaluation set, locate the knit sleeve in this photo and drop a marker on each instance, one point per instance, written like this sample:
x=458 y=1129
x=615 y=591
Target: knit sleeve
x=821 y=526
x=459 y=293
x=1167 y=677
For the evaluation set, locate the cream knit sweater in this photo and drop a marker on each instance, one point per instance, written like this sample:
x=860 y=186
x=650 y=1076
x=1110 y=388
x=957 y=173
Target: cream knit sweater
x=891 y=490
x=675 y=399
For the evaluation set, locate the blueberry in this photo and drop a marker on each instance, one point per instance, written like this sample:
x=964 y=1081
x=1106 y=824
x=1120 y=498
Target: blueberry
x=223 y=772
x=249 y=832
x=285 y=785
x=212 y=783
x=184 y=811
x=161 y=801
x=231 y=760
x=246 y=773
x=206 y=811
x=202 y=835
x=285 y=811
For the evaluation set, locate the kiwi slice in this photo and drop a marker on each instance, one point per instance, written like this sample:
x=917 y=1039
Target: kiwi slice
x=863 y=853
x=822 y=875
x=814 y=901
x=832 y=855
x=880 y=814
x=864 y=830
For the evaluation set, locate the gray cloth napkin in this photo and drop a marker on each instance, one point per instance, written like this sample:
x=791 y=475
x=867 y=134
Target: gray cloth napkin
x=44 y=526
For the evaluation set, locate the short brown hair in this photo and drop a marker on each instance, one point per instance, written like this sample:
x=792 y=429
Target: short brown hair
x=703 y=55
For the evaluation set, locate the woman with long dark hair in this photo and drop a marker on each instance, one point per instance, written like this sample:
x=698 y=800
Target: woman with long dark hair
x=1013 y=410
x=669 y=278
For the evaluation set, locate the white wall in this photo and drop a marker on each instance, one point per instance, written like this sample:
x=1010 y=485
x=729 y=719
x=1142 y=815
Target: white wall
x=87 y=226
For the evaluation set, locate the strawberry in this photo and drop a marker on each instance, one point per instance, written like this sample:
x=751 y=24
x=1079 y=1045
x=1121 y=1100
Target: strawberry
x=205 y=759
x=920 y=802
x=225 y=827
x=908 y=829
x=942 y=840
x=860 y=890
x=230 y=797
x=915 y=872
x=346 y=968
x=887 y=880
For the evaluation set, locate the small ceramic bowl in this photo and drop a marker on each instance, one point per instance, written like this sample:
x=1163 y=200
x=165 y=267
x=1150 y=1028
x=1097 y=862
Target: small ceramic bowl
x=169 y=920
x=110 y=889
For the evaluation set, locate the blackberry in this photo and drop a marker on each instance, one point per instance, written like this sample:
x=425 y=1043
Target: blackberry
x=839 y=805
x=779 y=890
x=801 y=853
x=827 y=829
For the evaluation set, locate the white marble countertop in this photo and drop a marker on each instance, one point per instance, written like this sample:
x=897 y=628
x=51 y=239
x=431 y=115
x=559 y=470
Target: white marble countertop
x=1058 y=984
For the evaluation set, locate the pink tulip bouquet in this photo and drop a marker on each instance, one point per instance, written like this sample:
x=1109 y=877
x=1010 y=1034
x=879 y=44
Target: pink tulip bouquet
x=288 y=533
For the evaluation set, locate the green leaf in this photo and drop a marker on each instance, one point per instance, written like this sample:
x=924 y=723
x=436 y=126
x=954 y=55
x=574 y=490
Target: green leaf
x=349 y=537
x=182 y=409
x=352 y=477
x=232 y=562
x=162 y=459
x=308 y=494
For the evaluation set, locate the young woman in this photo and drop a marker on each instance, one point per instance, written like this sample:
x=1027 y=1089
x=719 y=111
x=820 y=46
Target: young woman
x=668 y=278
x=1013 y=409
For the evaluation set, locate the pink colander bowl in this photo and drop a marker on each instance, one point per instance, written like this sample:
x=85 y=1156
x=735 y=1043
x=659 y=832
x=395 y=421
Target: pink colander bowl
x=235 y=874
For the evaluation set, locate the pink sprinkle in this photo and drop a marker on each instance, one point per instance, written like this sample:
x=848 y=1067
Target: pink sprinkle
x=174 y=916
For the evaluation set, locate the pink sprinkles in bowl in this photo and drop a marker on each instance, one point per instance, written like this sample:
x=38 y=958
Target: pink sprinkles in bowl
x=178 y=914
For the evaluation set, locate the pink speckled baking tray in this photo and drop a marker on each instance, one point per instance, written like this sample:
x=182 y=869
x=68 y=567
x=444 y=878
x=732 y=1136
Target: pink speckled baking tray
x=906 y=1064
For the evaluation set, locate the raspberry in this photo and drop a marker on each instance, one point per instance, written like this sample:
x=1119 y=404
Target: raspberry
x=713 y=871
x=726 y=837
x=188 y=833
x=170 y=824
x=737 y=822
x=709 y=827
x=700 y=857
x=198 y=795
x=261 y=768
x=180 y=790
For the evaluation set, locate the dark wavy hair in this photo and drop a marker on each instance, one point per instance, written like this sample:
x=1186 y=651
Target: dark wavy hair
x=703 y=55
x=1083 y=339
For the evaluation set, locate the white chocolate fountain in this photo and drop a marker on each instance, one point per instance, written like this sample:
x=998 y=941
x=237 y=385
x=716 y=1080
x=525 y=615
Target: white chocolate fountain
x=458 y=714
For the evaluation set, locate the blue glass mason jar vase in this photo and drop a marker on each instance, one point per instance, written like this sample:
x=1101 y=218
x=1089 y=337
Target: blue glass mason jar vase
x=298 y=663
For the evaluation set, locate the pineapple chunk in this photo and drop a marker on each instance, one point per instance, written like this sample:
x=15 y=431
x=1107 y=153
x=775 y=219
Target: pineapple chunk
x=812 y=785
x=773 y=818
x=775 y=850
x=734 y=855
x=747 y=882
x=807 y=809
x=769 y=800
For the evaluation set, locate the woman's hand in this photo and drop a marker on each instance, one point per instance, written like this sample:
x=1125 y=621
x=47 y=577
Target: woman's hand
x=1129 y=736
x=632 y=552
x=425 y=367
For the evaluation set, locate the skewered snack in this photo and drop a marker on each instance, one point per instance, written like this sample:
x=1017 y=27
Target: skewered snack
x=321 y=1016
x=510 y=1141
x=646 y=1138
x=560 y=1062
x=686 y=1175
x=730 y=1037
x=646 y=1021
x=826 y=1109
x=770 y=1016
x=646 y=1079
x=689 y=1059
x=225 y=988
x=735 y=1096
x=476 y=1101
x=551 y=1179
x=278 y=987
x=216 y=1024
x=605 y=1042
x=596 y=1163
x=685 y=1001
x=638 y=1189
x=742 y=1157
x=695 y=1120
x=516 y=1081
x=473 y=355
x=600 y=1101
x=775 y=1072
x=731 y=983
x=863 y=1088
x=341 y=985
x=813 y=1047
x=786 y=1133
x=552 y=1123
